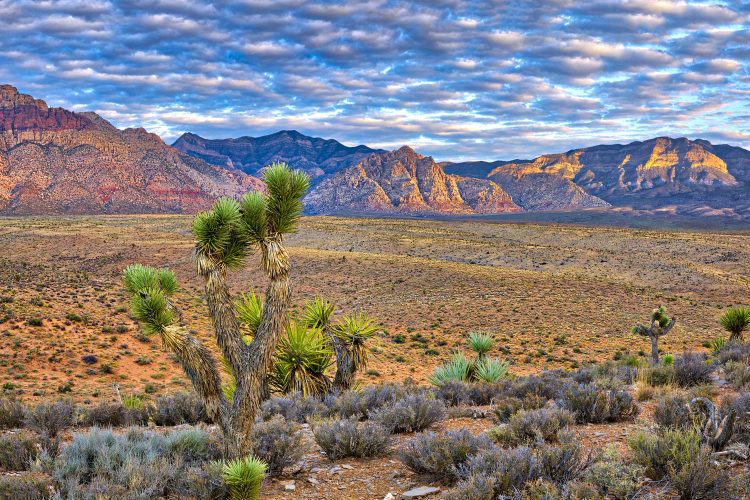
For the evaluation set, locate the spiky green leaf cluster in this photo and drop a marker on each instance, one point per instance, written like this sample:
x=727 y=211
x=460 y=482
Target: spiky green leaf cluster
x=149 y=290
x=302 y=358
x=458 y=368
x=317 y=313
x=736 y=320
x=354 y=331
x=244 y=477
x=284 y=191
x=249 y=309
x=660 y=316
x=481 y=343
x=138 y=278
x=490 y=369
x=220 y=233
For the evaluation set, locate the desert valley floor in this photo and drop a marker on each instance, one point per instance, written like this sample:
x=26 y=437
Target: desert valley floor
x=555 y=296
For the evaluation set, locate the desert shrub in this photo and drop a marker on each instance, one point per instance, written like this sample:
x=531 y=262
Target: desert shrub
x=542 y=489
x=666 y=451
x=691 y=369
x=612 y=374
x=29 y=486
x=244 y=477
x=415 y=412
x=363 y=402
x=673 y=412
x=544 y=387
x=475 y=487
x=499 y=471
x=442 y=456
x=135 y=464
x=295 y=407
x=278 y=443
x=17 y=450
x=179 y=408
x=734 y=351
x=341 y=438
x=613 y=477
x=564 y=461
x=114 y=415
x=741 y=406
x=48 y=420
x=657 y=376
x=592 y=405
x=505 y=408
x=738 y=374
x=12 y=414
x=699 y=478
x=528 y=426
x=453 y=392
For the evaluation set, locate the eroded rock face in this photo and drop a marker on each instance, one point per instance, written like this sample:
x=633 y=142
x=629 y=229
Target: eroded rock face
x=54 y=161
x=404 y=181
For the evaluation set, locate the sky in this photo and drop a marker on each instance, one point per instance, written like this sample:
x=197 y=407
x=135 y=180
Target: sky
x=456 y=79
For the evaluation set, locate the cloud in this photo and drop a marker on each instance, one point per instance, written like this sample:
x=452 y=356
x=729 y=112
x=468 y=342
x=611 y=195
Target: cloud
x=459 y=78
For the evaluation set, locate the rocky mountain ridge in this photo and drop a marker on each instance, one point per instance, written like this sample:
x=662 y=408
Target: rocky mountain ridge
x=55 y=161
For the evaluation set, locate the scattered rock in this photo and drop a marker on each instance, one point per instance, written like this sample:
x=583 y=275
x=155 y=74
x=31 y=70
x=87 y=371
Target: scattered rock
x=422 y=491
x=290 y=486
x=389 y=496
x=313 y=481
x=347 y=466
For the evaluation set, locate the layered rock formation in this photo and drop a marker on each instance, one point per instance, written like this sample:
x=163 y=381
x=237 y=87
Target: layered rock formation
x=403 y=181
x=54 y=161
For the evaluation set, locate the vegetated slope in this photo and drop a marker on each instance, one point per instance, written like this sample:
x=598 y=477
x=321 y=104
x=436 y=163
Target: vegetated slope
x=55 y=161
x=404 y=181
x=316 y=156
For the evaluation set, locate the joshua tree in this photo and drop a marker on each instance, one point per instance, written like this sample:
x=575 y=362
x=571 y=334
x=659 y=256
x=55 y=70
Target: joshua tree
x=224 y=237
x=660 y=325
x=736 y=320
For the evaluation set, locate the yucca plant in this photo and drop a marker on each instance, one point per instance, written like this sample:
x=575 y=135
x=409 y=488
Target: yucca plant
x=133 y=402
x=458 y=368
x=354 y=331
x=224 y=237
x=718 y=344
x=244 y=477
x=490 y=369
x=302 y=358
x=481 y=343
x=736 y=320
x=249 y=309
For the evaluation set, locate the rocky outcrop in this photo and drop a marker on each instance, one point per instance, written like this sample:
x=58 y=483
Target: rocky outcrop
x=314 y=155
x=54 y=161
x=404 y=181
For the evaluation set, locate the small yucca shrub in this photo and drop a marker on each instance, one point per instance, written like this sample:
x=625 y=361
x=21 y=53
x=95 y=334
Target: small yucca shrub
x=481 y=343
x=249 y=309
x=490 y=369
x=736 y=320
x=244 y=476
x=354 y=331
x=302 y=358
x=458 y=368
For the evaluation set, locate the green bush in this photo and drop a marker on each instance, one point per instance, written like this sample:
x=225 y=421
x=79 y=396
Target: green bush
x=17 y=451
x=613 y=477
x=12 y=413
x=666 y=451
x=29 y=486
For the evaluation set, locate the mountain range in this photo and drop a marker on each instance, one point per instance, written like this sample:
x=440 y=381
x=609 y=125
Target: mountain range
x=57 y=161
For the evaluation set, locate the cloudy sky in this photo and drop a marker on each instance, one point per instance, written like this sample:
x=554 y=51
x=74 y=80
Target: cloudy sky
x=457 y=79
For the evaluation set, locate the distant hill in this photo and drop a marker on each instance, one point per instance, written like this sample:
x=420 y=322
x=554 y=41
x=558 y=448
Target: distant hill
x=55 y=161
x=318 y=157
x=404 y=181
x=688 y=177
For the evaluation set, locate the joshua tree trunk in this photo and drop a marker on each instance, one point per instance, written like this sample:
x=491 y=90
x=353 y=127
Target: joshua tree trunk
x=251 y=379
x=654 y=350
